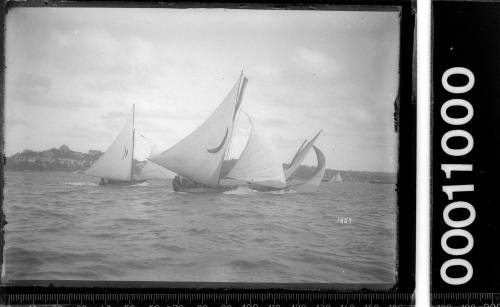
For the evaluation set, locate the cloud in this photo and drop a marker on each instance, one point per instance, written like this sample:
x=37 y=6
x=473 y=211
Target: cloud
x=313 y=59
x=113 y=85
x=275 y=122
x=32 y=81
x=37 y=96
x=115 y=114
x=12 y=122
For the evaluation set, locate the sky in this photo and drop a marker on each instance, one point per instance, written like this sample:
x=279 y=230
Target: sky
x=73 y=74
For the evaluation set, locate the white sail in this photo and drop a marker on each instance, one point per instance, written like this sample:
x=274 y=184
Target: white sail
x=338 y=178
x=199 y=156
x=258 y=163
x=152 y=170
x=312 y=184
x=116 y=162
x=300 y=156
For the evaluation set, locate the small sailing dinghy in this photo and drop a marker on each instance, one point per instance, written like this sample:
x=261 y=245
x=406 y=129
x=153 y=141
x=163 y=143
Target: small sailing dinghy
x=338 y=178
x=312 y=183
x=198 y=158
x=115 y=166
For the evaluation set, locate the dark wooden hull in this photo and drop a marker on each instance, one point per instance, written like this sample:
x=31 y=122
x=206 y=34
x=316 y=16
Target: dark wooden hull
x=189 y=186
x=261 y=188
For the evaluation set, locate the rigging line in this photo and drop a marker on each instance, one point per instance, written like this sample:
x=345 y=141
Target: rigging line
x=238 y=102
x=251 y=129
x=133 y=141
x=297 y=153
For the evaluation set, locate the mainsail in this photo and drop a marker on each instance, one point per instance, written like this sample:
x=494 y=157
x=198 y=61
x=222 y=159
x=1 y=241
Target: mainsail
x=312 y=184
x=258 y=163
x=199 y=155
x=116 y=162
x=300 y=156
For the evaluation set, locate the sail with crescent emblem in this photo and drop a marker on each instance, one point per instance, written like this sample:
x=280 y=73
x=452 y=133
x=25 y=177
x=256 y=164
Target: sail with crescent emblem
x=258 y=163
x=300 y=156
x=199 y=155
x=312 y=184
x=116 y=162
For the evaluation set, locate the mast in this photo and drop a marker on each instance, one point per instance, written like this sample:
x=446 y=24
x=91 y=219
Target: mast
x=133 y=141
x=239 y=96
x=297 y=153
x=197 y=156
x=300 y=156
x=241 y=89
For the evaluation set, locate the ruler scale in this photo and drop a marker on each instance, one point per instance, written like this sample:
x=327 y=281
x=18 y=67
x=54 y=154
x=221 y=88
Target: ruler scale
x=209 y=299
x=466 y=299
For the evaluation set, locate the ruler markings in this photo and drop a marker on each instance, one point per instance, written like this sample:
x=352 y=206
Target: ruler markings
x=234 y=299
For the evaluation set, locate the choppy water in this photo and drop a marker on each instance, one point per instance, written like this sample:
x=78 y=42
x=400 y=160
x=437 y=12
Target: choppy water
x=65 y=226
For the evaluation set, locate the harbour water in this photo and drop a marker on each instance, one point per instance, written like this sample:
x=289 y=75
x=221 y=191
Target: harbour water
x=64 y=226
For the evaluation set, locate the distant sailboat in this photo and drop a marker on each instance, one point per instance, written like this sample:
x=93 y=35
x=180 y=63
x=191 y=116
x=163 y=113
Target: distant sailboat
x=300 y=156
x=311 y=184
x=338 y=178
x=115 y=165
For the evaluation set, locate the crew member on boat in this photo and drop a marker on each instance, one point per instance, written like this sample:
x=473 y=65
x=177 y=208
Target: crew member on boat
x=180 y=183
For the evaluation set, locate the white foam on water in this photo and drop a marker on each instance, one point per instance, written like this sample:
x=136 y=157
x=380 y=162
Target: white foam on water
x=242 y=190
x=279 y=192
x=282 y=192
x=142 y=184
x=81 y=183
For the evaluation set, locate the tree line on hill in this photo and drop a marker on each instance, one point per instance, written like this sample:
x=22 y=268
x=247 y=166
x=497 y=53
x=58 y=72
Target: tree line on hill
x=65 y=159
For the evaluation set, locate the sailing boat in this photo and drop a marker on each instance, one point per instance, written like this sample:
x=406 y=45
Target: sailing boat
x=300 y=156
x=115 y=165
x=337 y=178
x=198 y=158
x=311 y=184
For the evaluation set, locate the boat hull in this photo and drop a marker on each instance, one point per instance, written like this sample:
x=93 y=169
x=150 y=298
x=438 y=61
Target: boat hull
x=183 y=184
x=262 y=188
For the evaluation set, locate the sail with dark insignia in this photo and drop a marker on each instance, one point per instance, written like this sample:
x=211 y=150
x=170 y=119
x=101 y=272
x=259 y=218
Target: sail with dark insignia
x=300 y=156
x=312 y=184
x=199 y=155
x=116 y=162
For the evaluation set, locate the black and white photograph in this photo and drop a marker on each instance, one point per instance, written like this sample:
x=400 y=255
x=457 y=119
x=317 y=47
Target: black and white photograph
x=201 y=145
